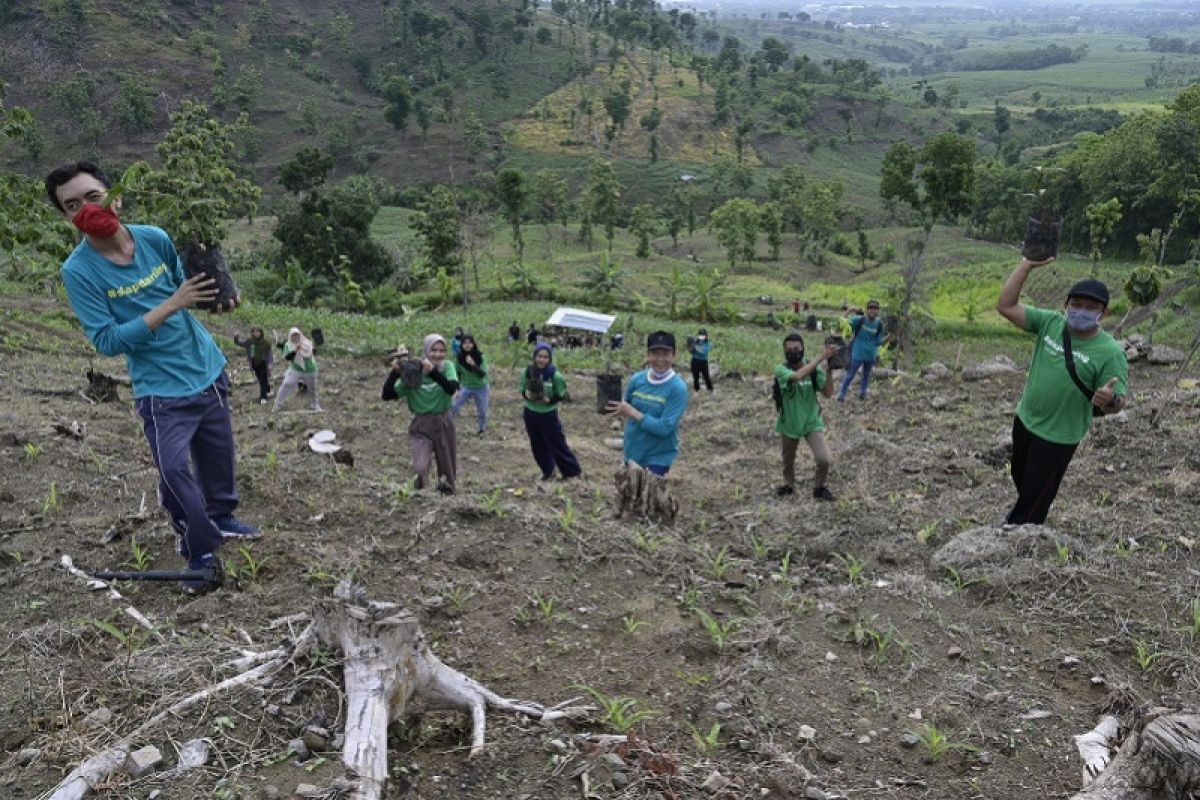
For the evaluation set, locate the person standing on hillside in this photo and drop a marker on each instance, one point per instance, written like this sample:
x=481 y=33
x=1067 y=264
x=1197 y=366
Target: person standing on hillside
x=456 y=342
x=474 y=384
x=701 y=347
x=1078 y=371
x=258 y=353
x=514 y=332
x=298 y=352
x=797 y=384
x=127 y=287
x=654 y=403
x=869 y=335
x=531 y=335
x=431 y=432
x=543 y=388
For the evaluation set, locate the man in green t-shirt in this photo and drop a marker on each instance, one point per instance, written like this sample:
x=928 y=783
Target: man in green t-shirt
x=1056 y=408
x=796 y=387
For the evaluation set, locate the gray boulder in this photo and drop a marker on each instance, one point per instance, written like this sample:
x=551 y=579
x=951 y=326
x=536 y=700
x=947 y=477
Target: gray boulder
x=1161 y=354
x=997 y=365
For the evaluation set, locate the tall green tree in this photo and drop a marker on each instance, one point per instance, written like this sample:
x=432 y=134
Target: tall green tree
x=735 y=225
x=601 y=197
x=771 y=221
x=548 y=194
x=398 y=93
x=1102 y=218
x=512 y=192
x=437 y=223
x=643 y=223
x=938 y=184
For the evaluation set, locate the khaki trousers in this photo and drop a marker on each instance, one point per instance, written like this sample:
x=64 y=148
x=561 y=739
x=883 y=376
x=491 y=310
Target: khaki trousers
x=432 y=439
x=821 y=457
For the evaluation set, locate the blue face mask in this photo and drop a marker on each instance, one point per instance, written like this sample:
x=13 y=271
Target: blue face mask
x=1080 y=319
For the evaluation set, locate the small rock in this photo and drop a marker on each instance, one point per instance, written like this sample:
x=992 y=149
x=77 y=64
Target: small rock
x=813 y=793
x=338 y=740
x=433 y=602
x=998 y=365
x=831 y=656
x=1161 y=354
x=309 y=790
x=911 y=465
x=807 y=733
x=935 y=371
x=722 y=707
x=620 y=780
x=614 y=444
x=916 y=715
x=1071 y=662
x=1096 y=680
x=270 y=792
x=1131 y=354
x=910 y=740
x=154 y=795
x=614 y=761
x=954 y=652
x=557 y=745
x=864 y=739
x=273 y=710
x=831 y=756
x=28 y=756
x=299 y=749
x=995 y=697
x=99 y=718
x=938 y=403
x=1036 y=714
x=193 y=754
x=714 y=783
x=316 y=739
x=986 y=758
x=143 y=762
x=745 y=745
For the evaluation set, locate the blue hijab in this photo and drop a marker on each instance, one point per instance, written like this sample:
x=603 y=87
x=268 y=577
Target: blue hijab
x=548 y=372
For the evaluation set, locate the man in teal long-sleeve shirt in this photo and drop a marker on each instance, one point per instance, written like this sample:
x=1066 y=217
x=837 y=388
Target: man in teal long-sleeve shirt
x=655 y=401
x=128 y=289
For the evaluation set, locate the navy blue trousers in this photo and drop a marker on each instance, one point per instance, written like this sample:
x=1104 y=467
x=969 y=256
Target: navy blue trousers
x=191 y=440
x=549 y=444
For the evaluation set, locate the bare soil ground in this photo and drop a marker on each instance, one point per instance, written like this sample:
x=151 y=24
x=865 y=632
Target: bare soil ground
x=836 y=617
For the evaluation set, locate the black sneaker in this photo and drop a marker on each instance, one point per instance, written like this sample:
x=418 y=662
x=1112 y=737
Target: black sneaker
x=785 y=490
x=823 y=493
x=233 y=528
x=213 y=580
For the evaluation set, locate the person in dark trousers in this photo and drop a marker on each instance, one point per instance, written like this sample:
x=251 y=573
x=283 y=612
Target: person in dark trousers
x=473 y=371
x=542 y=389
x=531 y=335
x=869 y=335
x=1058 y=403
x=128 y=289
x=700 y=348
x=258 y=353
x=456 y=342
x=431 y=432
x=514 y=332
x=797 y=384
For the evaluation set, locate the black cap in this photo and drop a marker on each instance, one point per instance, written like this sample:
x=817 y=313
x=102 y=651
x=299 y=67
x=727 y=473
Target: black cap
x=660 y=339
x=872 y=303
x=1090 y=288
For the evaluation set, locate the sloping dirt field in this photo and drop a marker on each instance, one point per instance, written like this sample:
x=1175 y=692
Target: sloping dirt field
x=838 y=647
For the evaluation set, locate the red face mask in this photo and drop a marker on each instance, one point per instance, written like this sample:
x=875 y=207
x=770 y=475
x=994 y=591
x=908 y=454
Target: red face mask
x=97 y=221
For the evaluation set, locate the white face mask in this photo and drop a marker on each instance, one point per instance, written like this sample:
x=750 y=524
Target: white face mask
x=1082 y=320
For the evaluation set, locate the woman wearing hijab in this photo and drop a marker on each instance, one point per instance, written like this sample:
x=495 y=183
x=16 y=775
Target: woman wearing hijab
x=298 y=352
x=258 y=353
x=431 y=432
x=543 y=387
x=474 y=375
x=654 y=403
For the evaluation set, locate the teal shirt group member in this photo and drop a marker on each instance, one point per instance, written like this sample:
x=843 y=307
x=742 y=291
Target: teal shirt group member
x=178 y=358
x=700 y=349
x=869 y=334
x=1056 y=408
x=653 y=406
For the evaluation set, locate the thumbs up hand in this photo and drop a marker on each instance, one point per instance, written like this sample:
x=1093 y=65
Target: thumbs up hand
x=1103 y=397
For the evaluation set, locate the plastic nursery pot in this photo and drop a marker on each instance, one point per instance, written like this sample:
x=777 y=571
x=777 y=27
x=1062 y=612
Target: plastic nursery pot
x=608 y=388
x=1042 y=235
x=840 y=359
x=210 y=261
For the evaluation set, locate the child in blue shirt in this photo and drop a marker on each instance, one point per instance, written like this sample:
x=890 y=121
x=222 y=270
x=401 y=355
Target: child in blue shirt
x=869 y=336
x=701 y=347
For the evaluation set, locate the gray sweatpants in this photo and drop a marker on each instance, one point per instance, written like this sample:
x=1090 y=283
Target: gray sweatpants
x=432 y=439
x=292 y=378
x=820 y=451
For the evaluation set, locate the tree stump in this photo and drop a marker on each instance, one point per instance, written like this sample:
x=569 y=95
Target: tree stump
x=388 y=664
x=642 y=493
x=1159 y=762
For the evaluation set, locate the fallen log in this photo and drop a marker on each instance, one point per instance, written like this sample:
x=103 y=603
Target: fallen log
x=1160 y=761
x=387 y=664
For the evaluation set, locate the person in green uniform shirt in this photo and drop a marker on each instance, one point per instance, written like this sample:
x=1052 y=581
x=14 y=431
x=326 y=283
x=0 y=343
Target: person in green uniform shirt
x=797 y=383
x=1056 y=409
x=431 y=432
x=298 y=351
x=473 y=371
x=542 y=388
